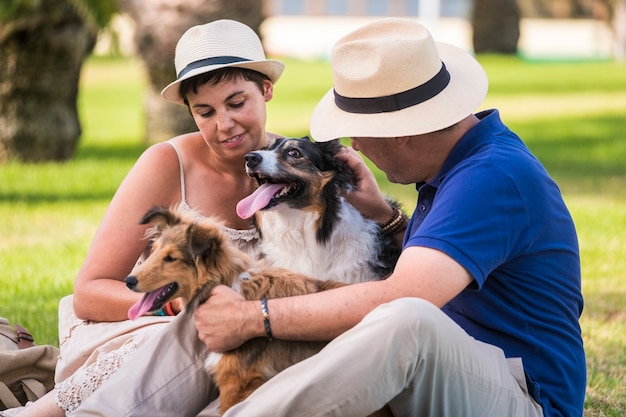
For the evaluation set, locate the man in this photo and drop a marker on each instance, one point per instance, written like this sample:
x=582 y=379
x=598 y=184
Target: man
x=480 y=316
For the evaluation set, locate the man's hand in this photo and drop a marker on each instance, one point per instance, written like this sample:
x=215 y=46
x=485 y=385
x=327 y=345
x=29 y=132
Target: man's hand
x=226 y=320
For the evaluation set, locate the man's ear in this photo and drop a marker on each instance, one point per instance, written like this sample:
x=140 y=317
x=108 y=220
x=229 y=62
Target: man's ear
x=268 y=90
x=403 y=140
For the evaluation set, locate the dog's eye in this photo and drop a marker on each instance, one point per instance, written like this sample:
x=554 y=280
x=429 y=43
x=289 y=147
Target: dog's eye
x=294 y=153
x=168 y=258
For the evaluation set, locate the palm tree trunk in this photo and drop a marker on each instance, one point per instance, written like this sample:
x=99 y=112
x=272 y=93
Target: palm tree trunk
x=619 y=29
x=496 y=26
x=41 y=56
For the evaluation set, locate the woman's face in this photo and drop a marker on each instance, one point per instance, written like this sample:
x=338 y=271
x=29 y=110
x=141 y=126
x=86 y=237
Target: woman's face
x=231 y=115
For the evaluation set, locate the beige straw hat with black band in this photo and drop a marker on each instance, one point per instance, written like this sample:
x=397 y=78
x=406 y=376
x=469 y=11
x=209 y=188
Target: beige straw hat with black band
x=219 y=44
x=391 y=79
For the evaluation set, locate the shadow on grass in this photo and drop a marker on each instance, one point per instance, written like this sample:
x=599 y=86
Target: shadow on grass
x=92 y=175
x=106 y=151
x=581 y=152
x=35 y=199
x=605 y=305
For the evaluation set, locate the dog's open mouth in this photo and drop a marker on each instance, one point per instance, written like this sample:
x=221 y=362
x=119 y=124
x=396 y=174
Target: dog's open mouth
x=268 y=194
x=152 y=301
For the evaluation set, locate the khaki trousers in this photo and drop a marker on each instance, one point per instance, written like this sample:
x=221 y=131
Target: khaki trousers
x=407 y=353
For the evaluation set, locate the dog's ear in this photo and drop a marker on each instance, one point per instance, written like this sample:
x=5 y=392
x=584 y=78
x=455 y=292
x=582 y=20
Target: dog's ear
x=327 y=152
x=203 y=241
x=271 y=142
x=160 y=217
x=343 y=180
x=344 y=177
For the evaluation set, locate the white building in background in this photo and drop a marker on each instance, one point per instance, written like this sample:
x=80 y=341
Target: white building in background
x=308 y=28
x=447 y=8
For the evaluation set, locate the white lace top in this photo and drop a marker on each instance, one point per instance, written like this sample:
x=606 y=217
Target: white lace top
x=245 y=239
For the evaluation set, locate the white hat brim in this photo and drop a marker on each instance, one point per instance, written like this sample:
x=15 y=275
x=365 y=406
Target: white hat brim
x=461 y=97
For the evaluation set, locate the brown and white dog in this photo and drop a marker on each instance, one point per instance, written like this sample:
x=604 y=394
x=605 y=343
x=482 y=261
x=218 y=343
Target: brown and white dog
x=305 y=223
x=190 y=256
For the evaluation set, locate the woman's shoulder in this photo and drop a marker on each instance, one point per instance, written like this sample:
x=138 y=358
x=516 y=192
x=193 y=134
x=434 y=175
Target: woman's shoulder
x=187 y=145
x=155 y=164
x=187 y=139
x=165 y=152
x=157 y=155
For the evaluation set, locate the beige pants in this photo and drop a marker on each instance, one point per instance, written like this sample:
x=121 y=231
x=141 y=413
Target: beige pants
x=82 y=342
x=407 y=353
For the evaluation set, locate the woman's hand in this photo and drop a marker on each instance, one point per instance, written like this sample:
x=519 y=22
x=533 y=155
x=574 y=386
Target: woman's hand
x=366 y=197
x=226 y=320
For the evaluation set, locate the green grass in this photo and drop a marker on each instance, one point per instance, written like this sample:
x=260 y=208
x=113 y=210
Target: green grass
x=572 y=115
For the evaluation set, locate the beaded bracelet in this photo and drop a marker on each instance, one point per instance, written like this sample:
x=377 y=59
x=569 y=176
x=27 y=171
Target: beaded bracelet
x=266 y=318
x=398 y=221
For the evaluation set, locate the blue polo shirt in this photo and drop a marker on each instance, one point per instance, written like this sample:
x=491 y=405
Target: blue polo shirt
x=496 y=211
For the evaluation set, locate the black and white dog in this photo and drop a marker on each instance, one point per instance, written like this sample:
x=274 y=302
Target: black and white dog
x=305 y=223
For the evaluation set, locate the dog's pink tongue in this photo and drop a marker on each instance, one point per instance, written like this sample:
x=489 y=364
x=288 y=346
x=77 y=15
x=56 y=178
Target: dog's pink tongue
x=257 y=200
x=142 y=306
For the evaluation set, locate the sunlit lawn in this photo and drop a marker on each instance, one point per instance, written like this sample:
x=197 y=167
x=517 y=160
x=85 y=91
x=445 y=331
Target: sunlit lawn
x=573 y=116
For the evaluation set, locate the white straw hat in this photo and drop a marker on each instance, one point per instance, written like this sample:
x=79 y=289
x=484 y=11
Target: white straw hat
x=391 y=79
x=215 y=45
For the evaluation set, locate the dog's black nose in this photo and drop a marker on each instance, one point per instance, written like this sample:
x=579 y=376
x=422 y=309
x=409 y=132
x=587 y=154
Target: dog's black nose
x=253 y=159
x=131 y=282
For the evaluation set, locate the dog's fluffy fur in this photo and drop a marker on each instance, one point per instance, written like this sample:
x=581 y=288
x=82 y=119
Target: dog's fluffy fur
x=189 y=258
x=306 y=225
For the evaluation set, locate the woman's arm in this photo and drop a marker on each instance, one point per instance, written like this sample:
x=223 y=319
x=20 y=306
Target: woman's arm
x=99 y=291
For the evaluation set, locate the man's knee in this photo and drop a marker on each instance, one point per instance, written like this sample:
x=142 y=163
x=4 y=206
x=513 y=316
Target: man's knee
x=412 y=318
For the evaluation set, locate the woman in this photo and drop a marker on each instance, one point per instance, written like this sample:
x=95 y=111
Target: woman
x=225 y=81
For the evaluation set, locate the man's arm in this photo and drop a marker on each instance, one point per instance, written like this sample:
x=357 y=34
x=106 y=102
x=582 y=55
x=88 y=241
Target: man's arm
x=226 y=320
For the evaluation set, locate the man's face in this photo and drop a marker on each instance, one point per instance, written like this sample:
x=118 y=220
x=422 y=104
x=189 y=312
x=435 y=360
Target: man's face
x=382 y=152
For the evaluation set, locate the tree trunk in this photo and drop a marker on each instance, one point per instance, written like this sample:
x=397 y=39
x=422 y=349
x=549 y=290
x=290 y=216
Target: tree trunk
x=158 y=26
x=496 y=26
x=41 y=55
x=619 y=30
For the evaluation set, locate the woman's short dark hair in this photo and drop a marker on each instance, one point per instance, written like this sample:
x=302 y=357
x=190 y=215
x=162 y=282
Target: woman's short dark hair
x=191 y=85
